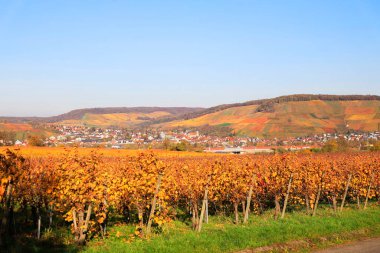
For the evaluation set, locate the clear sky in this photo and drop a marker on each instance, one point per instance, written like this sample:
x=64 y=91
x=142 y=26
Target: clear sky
x=56 y=56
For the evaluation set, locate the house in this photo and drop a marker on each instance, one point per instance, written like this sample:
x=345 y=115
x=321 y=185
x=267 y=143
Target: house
x=19 y=143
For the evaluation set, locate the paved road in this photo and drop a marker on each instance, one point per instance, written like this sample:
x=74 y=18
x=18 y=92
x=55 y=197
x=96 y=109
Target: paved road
x=366 y=246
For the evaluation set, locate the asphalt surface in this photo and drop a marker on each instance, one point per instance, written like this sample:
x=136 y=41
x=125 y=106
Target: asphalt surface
x=366 y=246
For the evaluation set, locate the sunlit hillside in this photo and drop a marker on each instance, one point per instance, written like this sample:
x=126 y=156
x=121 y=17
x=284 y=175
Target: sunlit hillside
x=116 y=119
x=293 y=118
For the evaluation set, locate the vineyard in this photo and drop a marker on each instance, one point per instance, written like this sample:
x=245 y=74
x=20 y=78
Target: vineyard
x=87 y=191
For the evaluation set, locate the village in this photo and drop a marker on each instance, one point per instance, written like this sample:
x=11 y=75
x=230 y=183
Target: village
x=115 y=138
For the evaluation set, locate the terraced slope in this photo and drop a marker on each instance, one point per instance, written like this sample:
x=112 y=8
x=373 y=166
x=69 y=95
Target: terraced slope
x=292 y=118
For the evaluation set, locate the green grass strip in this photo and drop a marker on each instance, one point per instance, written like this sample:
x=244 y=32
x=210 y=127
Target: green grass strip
x=220 y=235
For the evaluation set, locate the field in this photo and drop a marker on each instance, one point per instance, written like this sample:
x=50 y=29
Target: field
x=292 y=118
x=43 y=152
x=153 y=201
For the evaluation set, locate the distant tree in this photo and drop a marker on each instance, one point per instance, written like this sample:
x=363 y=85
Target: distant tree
x=166 y=144
x=376 y=146
x=182 y=146
x=315 y=150
x=343 y=144
x=336 y=145
x=280 y=150
x=34 y=140
x=330 y=146
x=7 y=137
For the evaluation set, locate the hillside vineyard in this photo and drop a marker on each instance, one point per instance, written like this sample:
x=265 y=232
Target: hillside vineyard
x=151 y=189
x=281 y=117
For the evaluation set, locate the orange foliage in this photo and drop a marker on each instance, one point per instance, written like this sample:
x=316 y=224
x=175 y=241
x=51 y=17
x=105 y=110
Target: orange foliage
x=87 y=186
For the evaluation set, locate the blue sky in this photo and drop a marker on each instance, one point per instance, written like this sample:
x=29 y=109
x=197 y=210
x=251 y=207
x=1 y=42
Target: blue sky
x=61 y=55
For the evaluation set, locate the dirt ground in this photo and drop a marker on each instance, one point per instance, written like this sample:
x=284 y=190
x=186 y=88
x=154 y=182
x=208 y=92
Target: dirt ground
x=365 y=246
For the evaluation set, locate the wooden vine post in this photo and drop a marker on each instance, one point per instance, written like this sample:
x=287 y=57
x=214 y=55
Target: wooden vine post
x=345 y=192
x=246 y=213
x=81 y=224
x=204 y=203
x=153 y=205
x=318 y=195
x=206 y=214
x=38 y=224
x=368 y=190
x=287 y=195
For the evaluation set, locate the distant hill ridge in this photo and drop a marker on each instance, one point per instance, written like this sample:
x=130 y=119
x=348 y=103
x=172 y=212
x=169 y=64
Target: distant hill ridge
x=80 y=113
x=291 y=115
